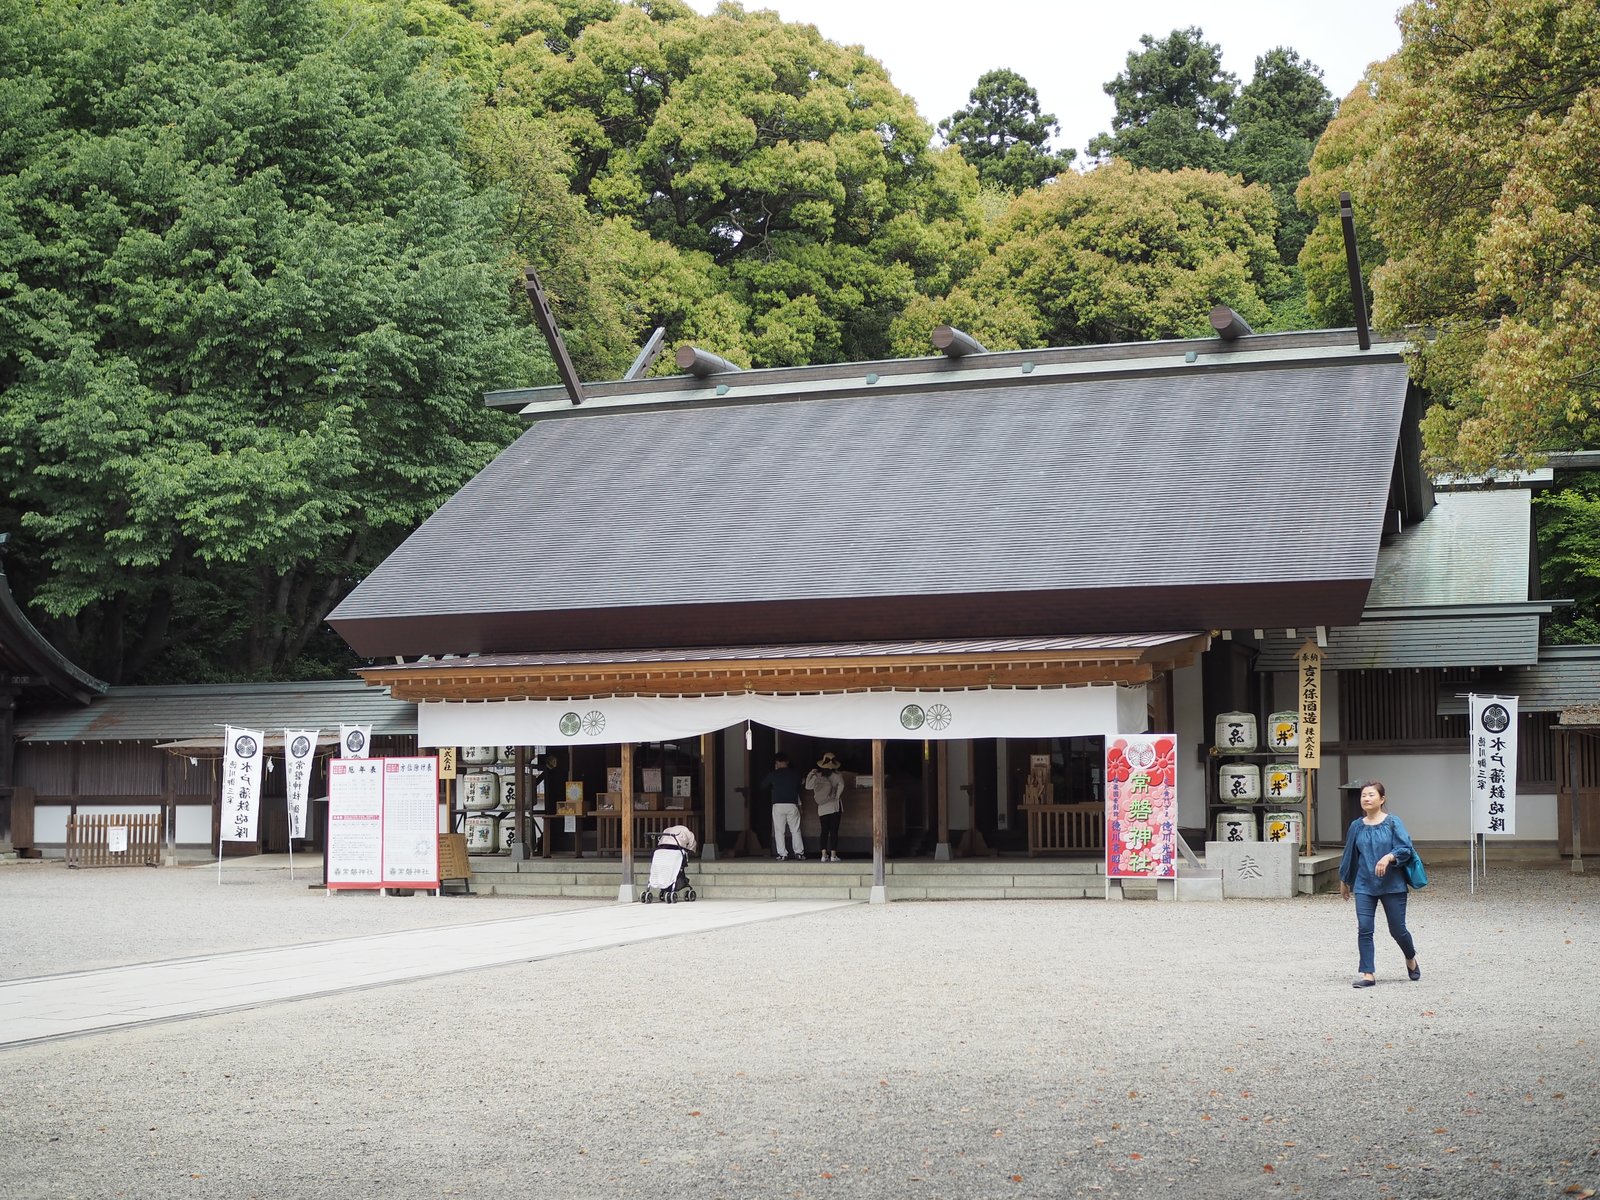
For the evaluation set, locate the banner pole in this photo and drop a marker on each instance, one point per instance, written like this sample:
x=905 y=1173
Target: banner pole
x=1472 y=820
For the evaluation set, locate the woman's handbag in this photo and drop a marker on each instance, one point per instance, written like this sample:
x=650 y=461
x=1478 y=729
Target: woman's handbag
x=1416 y=876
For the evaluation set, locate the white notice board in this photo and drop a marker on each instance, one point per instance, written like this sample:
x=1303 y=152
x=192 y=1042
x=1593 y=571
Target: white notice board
x=355 y=823
x=411 y=822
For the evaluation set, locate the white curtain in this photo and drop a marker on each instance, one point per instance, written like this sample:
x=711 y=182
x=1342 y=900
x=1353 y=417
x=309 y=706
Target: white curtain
x=954 y=715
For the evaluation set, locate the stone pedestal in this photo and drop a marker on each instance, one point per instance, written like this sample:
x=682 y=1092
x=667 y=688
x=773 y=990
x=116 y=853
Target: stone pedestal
x=1255 y=870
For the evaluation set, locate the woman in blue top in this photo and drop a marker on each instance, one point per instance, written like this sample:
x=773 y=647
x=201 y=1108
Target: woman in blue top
x=1375 y=853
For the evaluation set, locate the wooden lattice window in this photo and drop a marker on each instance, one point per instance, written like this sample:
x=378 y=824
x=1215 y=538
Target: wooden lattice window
x=1393 y=709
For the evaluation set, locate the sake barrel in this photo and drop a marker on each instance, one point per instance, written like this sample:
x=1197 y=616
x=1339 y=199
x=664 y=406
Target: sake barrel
x=508 y=755
x=1283 y=781
x=1282 y=827
x=508 y=789
x=1238 y=782
x=479 y=756
x=480 y=834
x=1283 y=731
x=1236 y=731
x=508 y=831
x=1235 y=826
x=480 y=791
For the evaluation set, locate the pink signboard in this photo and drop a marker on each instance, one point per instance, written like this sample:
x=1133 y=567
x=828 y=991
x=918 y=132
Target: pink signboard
x=1142 y=806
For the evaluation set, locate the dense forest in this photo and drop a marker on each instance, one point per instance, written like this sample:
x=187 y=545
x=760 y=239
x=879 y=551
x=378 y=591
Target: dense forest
x=259 y=258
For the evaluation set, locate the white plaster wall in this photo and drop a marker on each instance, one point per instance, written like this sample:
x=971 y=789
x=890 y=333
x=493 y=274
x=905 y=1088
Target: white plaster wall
x=1188 y=707
x=50 y=820
x=1429 y=793
x=194 y=825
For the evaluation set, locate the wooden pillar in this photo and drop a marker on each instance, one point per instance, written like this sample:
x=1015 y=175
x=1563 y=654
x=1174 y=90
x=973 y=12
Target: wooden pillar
x=880 y=821
x=748 y=844
x=941 y=849
x=1576 y=809
x=547 y=776
x=625 y=892
x=169 y=808
x=972 y=843
x=708 y=788
x=8 y=711
x=519 y=815
x=1308 y=840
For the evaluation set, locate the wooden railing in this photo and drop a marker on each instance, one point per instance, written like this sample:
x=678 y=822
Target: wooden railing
x=1065 y=828
x=646 y=825
x=114 y=840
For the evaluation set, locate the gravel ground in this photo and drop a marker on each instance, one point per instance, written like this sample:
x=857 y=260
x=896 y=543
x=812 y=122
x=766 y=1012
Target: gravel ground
x=990 y=1049
x=56 y=920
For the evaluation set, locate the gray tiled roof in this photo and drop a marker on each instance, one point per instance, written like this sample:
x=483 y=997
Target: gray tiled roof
x=24 y=654
x=1116 y=483
x=1473 y=548
x=200 y=710
x=1564 y=677
x=1485 y=639
x=1451 y=591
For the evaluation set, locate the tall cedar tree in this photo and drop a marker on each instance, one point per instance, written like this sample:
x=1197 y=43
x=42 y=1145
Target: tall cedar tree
x=1003 y=134
x=1172 y=105
x=1278 y=118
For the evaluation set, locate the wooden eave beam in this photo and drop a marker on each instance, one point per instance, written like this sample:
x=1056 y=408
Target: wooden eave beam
x=461 y=682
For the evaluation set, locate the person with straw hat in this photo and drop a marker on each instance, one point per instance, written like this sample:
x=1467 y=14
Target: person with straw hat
x=827 y=792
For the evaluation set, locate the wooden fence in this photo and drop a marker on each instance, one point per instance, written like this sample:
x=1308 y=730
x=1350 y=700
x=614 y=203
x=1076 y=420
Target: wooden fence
x=647 y=826
x=114 y=840
x=1065 y=828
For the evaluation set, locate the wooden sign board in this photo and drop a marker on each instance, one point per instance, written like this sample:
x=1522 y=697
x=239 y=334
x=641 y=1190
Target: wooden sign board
x=453 y=860
x=1308 y=678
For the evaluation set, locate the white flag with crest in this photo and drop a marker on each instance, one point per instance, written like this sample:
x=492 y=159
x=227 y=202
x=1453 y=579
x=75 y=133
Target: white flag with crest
x=299 y=757
x=241 y=783
x=354 y=740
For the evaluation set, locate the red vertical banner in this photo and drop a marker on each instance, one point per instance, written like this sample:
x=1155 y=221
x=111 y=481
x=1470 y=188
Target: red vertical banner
x=1142 y=806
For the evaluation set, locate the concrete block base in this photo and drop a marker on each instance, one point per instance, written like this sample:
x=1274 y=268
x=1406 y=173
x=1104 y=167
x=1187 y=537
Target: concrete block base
x=1255 y=870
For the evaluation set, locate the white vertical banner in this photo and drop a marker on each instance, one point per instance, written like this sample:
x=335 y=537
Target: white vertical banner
x=1492 y=768
x=241 y=783
x=299 y=756
x=355 y=740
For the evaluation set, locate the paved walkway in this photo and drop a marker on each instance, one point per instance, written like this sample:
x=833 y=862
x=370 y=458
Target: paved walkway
x=58 y=1006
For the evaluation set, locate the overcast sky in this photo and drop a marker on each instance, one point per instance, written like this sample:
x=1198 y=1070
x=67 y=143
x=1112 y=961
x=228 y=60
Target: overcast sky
x=1067 y=49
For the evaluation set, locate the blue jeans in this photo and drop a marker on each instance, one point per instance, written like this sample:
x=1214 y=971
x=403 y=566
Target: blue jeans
x=1394 y=909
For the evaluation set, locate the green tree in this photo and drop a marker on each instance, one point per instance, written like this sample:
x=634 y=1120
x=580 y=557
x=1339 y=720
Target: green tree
x=786 y=168
x=1003 y=134
x=1490 y=135
x=248 y=302
x=1123 y=254
x=1568 y=522
x=1343 y=161
x=1172 y=105
x=1278 y=118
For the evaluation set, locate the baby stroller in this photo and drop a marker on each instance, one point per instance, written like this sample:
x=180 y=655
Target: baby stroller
x=669 y=875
